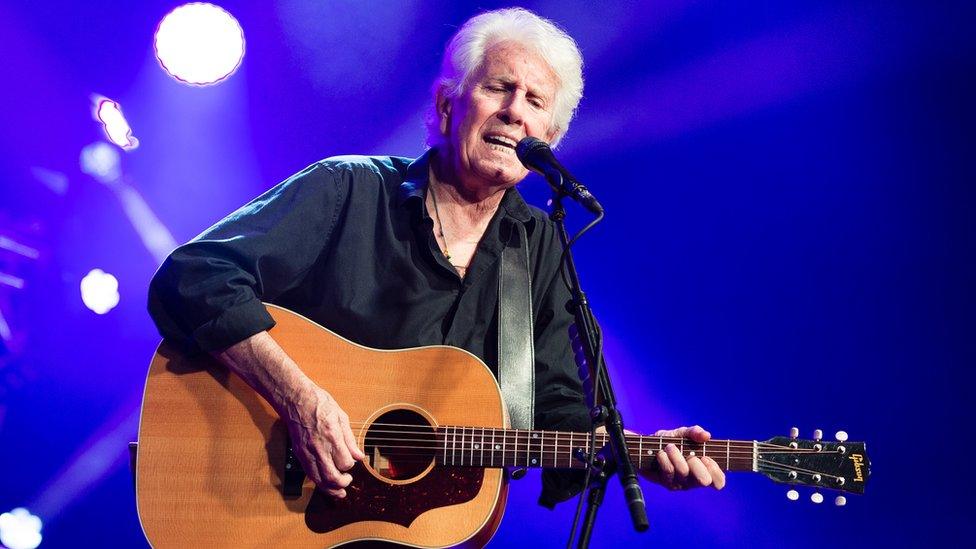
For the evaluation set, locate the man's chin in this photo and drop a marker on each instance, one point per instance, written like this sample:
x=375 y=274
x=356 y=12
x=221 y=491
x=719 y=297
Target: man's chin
x=503 y=173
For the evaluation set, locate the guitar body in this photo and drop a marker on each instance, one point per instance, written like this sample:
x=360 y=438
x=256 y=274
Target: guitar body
x=212 y=452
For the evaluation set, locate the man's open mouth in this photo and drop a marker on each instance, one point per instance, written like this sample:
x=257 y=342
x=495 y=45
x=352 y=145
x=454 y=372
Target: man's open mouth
x=501 y=142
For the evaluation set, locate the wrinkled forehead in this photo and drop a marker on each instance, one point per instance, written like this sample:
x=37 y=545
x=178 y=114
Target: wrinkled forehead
x=514 y=63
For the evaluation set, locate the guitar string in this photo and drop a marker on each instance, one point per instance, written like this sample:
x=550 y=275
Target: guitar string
x=773 y=465
x=631 y=439
x=549 y=455
x=469 y=430
x=636 y=439
x=763 y=466
x=439 y=443
x=470 y=444
x=439 y=448
x=473 y=431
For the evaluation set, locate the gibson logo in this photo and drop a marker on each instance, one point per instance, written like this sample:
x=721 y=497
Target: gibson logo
x=858 y=460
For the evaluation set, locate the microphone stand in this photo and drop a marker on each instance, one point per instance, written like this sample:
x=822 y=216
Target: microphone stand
x=604 y=401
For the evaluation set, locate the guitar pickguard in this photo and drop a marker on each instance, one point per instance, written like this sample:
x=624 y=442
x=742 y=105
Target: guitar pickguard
x=369 y=498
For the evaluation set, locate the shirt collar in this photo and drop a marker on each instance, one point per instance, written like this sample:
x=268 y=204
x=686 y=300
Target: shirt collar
x=415 y=183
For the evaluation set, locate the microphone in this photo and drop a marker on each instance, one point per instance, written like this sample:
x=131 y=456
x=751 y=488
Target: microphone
x=536 y=155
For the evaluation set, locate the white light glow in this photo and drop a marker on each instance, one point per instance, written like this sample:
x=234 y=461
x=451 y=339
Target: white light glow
x=199 y=44
x=101 y=161
x=100 y=291
x=20 y=530
x=116 y=127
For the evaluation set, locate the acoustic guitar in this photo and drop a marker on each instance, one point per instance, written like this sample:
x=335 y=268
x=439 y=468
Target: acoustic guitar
x=215 y=467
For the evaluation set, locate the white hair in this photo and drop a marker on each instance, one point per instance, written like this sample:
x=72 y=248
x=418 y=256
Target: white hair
x=465 y=54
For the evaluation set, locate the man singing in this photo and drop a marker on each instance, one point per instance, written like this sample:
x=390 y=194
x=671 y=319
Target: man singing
x=392 y=252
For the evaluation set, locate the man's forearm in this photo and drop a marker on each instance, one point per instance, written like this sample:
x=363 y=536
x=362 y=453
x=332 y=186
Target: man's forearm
x=265 y=366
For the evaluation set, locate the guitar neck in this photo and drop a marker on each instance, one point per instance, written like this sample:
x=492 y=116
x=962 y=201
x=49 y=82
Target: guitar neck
x=491 y=447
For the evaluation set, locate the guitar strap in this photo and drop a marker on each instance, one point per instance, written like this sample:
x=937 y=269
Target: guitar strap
x=516 y=355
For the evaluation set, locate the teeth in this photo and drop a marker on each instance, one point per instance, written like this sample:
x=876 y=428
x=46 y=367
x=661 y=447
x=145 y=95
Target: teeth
x=501 y=140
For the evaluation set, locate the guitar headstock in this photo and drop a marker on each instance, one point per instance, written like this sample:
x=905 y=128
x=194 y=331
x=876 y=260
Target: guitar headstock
x=842 y=465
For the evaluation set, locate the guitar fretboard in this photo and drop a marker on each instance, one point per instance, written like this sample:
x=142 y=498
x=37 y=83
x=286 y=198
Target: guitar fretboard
x=492 y=447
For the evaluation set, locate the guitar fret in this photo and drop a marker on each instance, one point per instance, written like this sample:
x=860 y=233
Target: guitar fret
x=518 y=456
x=514 y=448
x=515 y=452
x=532 y=436
x=492 y=446
x=572 y=448
x=518 y=435
x=468 y=446
x=555 y=449
x=755 y=456
x=527 y=441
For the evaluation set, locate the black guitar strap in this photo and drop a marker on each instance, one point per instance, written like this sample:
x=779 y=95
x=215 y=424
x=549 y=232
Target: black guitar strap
x=516 y=355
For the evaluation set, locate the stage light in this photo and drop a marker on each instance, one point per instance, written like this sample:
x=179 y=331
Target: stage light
x=199 y=44
x=100 y=291
x=116 y=127
x=20 y=530
x=101 y=161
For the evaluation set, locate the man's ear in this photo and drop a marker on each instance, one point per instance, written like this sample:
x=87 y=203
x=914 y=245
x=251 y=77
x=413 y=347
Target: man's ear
x=443 y=111
x=550 y=135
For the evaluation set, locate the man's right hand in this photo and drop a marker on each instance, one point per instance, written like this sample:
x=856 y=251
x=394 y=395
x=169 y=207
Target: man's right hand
x=321 y=436
x=322 y=439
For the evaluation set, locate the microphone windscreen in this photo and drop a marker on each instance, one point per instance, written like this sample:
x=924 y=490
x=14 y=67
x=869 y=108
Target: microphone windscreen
x=531 y=150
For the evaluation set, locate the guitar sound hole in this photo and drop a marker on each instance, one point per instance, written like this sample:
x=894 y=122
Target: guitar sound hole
x=400 y=444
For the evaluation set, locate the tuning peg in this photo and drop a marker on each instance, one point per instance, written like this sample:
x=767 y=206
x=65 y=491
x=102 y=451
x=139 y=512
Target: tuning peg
x=841 y=436
x=840 y=501
x=792 y=495
x=816 y=497
x=817 y=434
x=794 y=432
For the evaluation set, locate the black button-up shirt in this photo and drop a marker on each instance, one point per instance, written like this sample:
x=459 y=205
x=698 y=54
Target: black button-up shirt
x=348 y=243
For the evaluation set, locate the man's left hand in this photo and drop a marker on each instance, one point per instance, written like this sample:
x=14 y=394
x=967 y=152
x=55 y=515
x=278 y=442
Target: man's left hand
x=676 y=472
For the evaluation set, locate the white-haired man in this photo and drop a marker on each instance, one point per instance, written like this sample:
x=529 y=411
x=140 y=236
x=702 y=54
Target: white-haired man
x=393 y=252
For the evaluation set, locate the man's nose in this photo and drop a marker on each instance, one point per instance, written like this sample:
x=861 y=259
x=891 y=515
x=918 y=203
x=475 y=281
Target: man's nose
x=513 y=111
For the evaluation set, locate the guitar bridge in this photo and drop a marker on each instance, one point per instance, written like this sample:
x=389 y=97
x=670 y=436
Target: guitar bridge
x=294 y=475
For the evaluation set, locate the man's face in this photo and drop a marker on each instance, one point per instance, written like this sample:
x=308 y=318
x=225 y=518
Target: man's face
x=509 y=97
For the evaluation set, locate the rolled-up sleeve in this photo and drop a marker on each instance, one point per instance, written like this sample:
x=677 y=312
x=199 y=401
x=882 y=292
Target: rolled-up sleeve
x=207 y=295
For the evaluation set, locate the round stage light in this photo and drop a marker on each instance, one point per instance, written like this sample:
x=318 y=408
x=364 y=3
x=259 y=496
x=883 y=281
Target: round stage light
x=20 y=530
x=101 y=161
x=199 y=44
x=100 y=291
